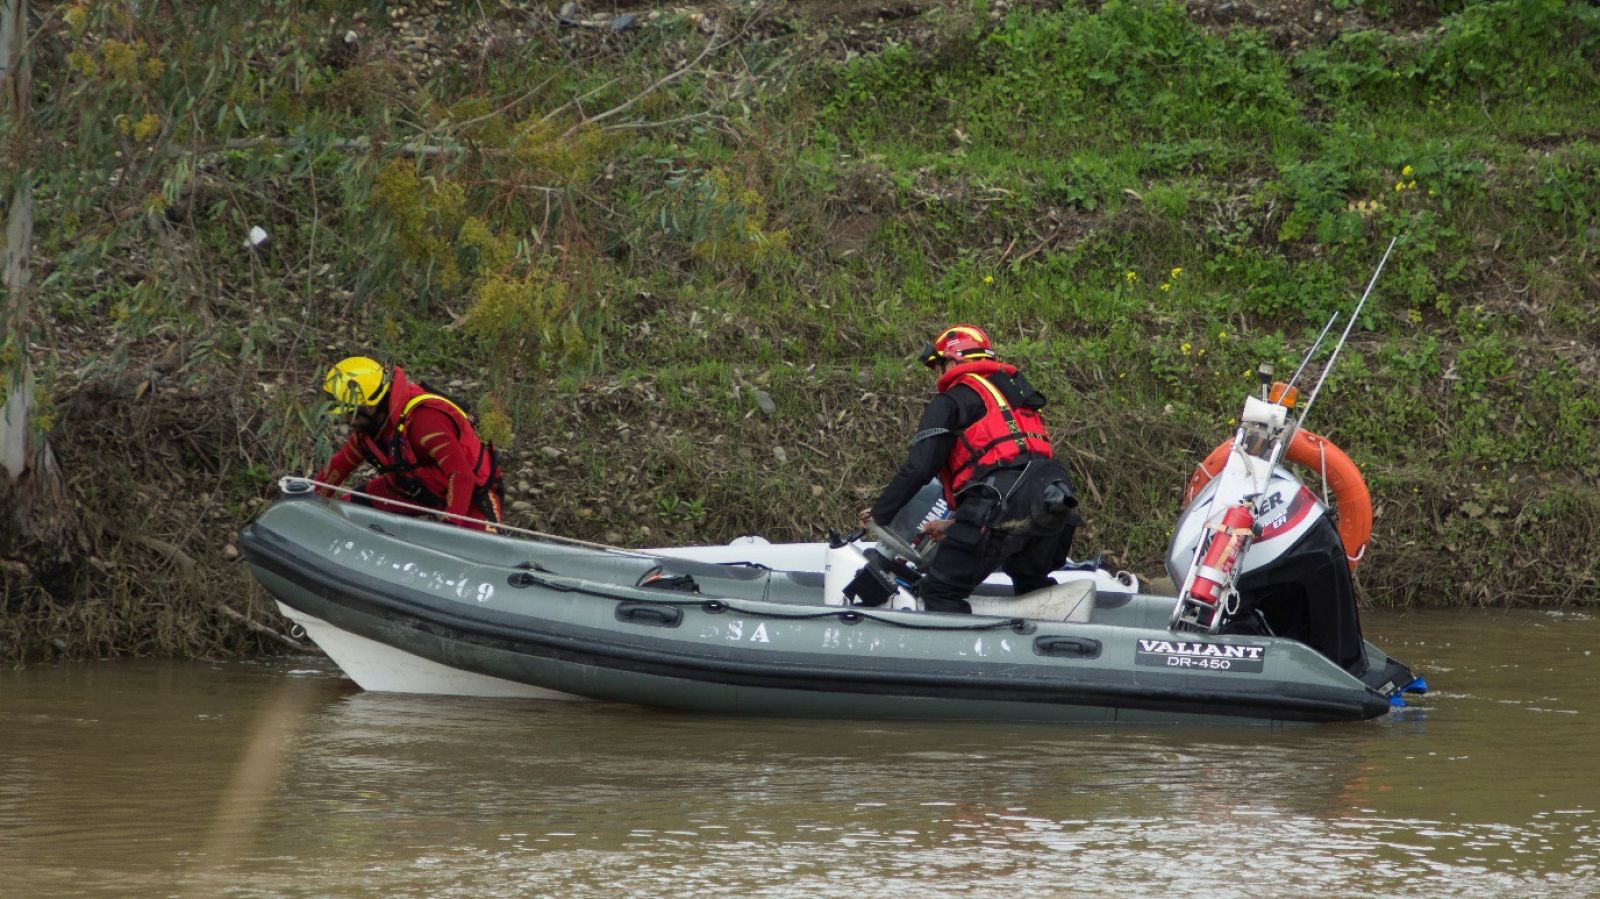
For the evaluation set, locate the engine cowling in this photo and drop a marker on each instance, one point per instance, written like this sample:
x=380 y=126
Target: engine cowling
x=1285 y=512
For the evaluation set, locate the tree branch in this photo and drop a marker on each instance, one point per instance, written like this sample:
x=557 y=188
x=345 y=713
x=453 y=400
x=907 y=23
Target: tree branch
x=460 y=126
x=354 y=144
x=674 y=75
x=692 y=117
x=262 y=629
x=575 y=101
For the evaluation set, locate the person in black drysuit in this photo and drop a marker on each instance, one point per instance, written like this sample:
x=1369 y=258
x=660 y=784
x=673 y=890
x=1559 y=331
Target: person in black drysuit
x=983 y=437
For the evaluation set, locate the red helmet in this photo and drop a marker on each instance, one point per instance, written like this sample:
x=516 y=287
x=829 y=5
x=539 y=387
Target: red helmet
x=958 y=343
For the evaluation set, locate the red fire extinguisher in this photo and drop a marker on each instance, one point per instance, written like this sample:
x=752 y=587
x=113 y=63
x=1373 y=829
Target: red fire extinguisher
x=1228 y=542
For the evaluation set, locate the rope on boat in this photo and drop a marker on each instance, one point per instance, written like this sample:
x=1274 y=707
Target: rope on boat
x=854 y=615
x=847 y=615
x=295 y=486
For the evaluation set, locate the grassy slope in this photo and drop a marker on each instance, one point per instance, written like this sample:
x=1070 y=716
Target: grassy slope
x=1140 y=208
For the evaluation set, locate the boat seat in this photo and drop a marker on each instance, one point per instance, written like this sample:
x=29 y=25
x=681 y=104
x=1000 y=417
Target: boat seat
x=1072 y=601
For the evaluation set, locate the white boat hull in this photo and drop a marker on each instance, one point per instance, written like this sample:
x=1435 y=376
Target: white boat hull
x=381 y=668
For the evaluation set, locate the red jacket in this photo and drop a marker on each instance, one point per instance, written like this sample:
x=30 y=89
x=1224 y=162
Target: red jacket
x=1004 y=434
x=427 y=448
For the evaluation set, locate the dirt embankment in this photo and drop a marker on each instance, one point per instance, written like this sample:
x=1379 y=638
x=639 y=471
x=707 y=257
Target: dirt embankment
x=166 y=457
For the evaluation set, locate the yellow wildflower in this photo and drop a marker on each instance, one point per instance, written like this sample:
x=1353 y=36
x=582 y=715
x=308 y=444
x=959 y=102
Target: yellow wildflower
x=1176 y=272
x=1411 y=186
x=1222 y=335
x=121 y=59
x=1166 y=285
x=1405 y=172
x=1399 y=186
x=147 y=127
x=988 y=279
x=1131 y=277
x=1184 y=348
x=83 y=63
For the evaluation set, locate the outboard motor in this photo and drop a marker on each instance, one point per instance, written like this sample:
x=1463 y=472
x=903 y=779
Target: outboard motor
x=1294 y=582
x=881 y=576
x=927 y=505
x=853 y=575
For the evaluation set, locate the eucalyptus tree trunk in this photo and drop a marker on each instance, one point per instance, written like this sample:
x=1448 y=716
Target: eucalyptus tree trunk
x=15 y=439
x=33 y=511
x=14 y=375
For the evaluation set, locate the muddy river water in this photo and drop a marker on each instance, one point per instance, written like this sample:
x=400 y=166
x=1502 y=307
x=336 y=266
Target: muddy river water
x=280 y=778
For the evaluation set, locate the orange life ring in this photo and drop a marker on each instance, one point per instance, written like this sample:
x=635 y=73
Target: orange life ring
x=1319 y=454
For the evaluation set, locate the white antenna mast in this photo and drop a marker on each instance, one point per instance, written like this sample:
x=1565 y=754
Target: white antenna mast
x=1306 y=410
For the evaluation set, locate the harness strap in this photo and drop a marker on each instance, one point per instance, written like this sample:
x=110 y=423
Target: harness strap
x=412 y=403
x=1005 y=409
x=1017 y=434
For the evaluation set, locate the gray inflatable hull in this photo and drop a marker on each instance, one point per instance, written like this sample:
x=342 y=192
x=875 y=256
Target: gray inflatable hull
x=561 y=620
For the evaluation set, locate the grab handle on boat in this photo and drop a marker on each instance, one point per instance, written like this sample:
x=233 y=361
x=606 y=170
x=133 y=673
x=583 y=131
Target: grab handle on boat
x=1067 y=647
x=650 y=614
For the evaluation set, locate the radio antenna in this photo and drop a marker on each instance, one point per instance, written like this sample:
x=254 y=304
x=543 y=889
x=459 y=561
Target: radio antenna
x=1315 y=344
x=1348 y=326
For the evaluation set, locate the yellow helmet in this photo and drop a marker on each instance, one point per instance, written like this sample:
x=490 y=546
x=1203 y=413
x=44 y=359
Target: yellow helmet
x=356 y=382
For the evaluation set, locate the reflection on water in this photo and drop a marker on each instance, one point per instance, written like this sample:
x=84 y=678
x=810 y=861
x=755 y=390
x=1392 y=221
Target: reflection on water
x=264 y=780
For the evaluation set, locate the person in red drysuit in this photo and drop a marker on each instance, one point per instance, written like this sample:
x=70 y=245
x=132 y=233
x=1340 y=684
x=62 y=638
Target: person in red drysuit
x=423 y=445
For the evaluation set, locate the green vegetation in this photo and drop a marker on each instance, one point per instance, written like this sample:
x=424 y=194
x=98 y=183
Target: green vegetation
x=615 y=241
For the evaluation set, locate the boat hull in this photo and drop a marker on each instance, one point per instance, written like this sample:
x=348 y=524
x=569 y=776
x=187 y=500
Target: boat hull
x=381 y=668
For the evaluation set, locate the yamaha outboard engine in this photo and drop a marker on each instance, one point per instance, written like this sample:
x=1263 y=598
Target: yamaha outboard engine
x=889 y=570
x=927 y=505
x=1294 y=582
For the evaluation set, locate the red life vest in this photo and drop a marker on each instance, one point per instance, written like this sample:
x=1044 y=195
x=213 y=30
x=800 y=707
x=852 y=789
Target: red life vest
x=397 y=457
x=1003 y=435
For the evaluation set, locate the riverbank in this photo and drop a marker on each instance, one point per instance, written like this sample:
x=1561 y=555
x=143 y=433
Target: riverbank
x=679 y=263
